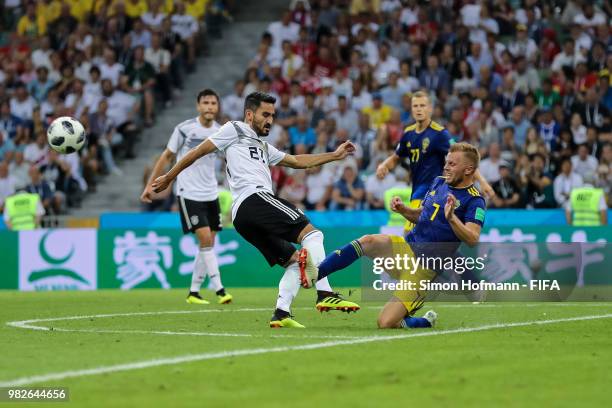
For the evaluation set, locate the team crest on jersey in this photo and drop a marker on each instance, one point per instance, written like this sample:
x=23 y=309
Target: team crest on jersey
x=457 y=204
x=408 y=144
x=432 y=192
x=425 y=144
x=195 y=219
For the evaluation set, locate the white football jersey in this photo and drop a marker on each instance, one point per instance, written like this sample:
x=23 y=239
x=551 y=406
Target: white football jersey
x=198 y=181
x=248 y=160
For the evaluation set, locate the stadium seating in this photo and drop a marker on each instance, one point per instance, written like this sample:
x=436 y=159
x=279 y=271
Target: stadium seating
x=113 y=65
x=528 y=84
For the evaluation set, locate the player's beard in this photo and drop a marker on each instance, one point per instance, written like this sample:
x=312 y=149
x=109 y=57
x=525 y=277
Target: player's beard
x=208 y=117
x=261 y=129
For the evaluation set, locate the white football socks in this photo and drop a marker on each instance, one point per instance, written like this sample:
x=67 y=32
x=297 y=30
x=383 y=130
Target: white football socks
x=288 y=287
x=212 y=269
x=206 y=264
x=313 y=242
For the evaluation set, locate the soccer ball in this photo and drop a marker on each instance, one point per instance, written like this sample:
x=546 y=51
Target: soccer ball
x=66 y=135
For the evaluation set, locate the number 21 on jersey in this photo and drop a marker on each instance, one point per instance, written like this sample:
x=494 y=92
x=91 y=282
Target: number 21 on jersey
x=257 y=155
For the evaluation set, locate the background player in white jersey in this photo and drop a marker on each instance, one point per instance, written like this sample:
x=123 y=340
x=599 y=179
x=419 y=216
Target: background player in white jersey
x=270 y=223
x=197 y=194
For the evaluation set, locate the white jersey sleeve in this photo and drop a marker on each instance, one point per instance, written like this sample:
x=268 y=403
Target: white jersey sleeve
x=174 y=144
x=225 y=136
x=275 y=156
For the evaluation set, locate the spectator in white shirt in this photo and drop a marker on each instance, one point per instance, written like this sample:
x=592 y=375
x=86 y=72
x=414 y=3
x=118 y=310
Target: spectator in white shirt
x=584 y=164
x=485 y=25
x=291 y=61
x=283 y=30
x=361 y=98
x=110 y=68
x=36 y=152
x=140 y=35
x=523 y=46
x=345 y=117
x=83 y=66
x=41 y=56
x=407 y=82
x=489 y=167
x=154 y=17
x=327 y=101
x=386 y=64
x=75 y=101
x=319 y=185
x=342 y=84
x=589 y=18
x=160 y=59
x=565 y=57
x=579 y=131
x=375 y=189
x=565 y=182
x=93 y=89
x=297 y=102
x=186 y=26
x=19 y=169
x=84 y=38
x=233 y=104
x=22 y=104
x=470 y=15
x=122 y=108
x=526 y=78
x=7 y=184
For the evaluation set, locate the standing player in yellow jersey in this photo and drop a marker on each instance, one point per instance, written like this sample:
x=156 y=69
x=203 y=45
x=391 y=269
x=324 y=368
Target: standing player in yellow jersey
x=425 y=144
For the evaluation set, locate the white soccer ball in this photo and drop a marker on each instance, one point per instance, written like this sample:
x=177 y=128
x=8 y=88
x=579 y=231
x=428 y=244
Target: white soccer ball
x=66 y=135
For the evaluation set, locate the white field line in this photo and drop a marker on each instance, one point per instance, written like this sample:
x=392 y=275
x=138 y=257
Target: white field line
x=209 y=334
x=434 y=305
x=29 y=324
x=26 y=324
x=189 y=358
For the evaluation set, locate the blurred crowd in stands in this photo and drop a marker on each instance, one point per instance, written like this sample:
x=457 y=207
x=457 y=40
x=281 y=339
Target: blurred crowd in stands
x=527 y=82
x=112 y=64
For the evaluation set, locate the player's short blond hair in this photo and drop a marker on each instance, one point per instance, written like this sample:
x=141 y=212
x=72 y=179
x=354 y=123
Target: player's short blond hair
x=469 y=151
x=422 y=94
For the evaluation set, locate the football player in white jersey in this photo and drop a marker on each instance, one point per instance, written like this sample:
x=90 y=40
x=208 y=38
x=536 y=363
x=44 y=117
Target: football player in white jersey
x=197 y=195
x=269 y=223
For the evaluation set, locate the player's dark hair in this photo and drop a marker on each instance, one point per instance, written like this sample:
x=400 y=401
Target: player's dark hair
x=207 y=92
x=255 y=99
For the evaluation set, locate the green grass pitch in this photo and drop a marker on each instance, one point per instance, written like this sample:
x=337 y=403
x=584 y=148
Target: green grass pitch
x=155 y=350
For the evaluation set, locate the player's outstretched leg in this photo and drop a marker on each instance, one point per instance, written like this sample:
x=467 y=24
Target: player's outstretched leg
x=288 y=288
x=309 y=257
x=375 y=245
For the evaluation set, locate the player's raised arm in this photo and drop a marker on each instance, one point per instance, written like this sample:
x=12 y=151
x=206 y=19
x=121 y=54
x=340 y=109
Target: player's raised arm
x=411 y=214
x=484 y=185
x=304 y=161
x=386 y=166
x=164 y=160
x=162 y=182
